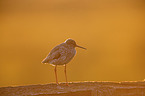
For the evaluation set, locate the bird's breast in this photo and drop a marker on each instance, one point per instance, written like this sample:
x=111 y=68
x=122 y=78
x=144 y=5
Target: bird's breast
x=67 y=54
x=70 y=54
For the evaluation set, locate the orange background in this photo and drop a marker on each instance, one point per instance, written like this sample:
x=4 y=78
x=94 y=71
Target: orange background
x=113 y=31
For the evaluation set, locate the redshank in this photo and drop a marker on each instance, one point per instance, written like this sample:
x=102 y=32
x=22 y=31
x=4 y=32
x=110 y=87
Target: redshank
x=61 y=55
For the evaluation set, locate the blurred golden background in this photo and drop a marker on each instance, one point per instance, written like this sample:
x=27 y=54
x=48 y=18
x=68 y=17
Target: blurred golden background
x=113 y=31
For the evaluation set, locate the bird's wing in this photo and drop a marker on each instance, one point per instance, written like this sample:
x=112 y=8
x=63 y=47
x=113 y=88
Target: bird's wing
x=54 y=54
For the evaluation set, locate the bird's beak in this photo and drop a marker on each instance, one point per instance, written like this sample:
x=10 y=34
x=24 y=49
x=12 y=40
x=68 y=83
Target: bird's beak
x=80 y=47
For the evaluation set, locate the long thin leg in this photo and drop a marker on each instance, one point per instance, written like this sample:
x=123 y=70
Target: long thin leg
x=56 y=74
x=65 y=74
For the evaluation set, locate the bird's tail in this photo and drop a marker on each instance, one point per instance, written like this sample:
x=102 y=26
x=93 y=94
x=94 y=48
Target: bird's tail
x=45 y=60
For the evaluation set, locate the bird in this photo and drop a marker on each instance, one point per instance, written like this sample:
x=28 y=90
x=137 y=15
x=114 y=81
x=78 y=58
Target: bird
x=62 y=54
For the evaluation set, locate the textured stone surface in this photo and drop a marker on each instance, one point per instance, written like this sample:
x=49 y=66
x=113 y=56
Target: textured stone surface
x=79 y=89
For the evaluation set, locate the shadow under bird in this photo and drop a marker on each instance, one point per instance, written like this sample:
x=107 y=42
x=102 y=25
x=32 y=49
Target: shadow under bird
x=61 y=55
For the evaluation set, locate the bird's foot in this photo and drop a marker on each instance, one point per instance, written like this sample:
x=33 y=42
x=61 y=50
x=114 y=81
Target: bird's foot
x=57 y=83
x=67 y=84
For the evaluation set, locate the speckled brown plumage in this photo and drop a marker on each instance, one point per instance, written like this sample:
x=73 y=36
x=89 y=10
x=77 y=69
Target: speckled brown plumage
x=61 y=55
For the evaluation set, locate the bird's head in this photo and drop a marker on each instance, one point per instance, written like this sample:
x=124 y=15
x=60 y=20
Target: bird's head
x=73 y=43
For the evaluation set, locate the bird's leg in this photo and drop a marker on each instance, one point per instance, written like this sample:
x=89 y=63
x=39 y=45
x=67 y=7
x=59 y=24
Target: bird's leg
x=65 y=74
x=56 y=74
